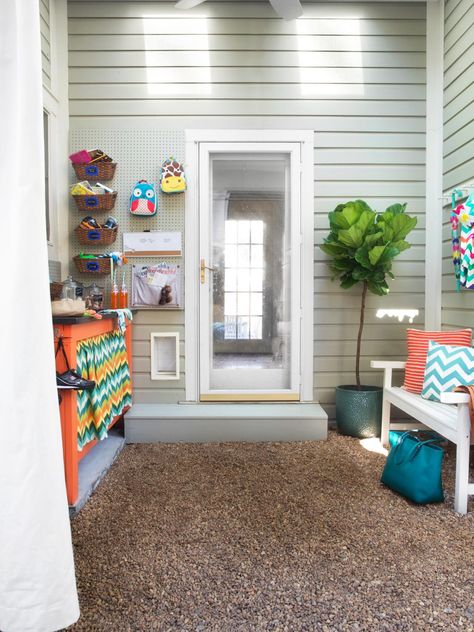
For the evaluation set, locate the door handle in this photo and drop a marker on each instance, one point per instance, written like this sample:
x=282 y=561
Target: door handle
x=204 y=267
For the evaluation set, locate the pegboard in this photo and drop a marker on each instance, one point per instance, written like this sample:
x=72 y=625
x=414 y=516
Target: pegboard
x=139 y=155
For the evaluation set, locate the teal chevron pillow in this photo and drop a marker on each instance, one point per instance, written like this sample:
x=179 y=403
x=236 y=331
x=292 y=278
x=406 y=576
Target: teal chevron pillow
x=446 y=367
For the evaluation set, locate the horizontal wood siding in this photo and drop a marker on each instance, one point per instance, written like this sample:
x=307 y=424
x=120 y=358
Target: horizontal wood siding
x=353 y=73
x=457 y=307
x=45 y=27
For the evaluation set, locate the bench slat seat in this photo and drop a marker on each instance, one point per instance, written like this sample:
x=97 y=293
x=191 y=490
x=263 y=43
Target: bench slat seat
x=439 y=417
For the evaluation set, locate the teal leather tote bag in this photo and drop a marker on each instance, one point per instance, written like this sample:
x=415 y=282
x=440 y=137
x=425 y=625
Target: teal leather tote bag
x=413 y=469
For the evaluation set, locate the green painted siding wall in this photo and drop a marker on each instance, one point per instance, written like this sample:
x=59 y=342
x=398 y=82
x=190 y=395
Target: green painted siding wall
x=352 y=73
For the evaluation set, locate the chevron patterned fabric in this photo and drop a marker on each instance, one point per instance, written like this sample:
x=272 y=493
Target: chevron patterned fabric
x=102 y=359
x=447 y=367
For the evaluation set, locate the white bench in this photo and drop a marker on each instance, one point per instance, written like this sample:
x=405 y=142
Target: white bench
x=450 y=419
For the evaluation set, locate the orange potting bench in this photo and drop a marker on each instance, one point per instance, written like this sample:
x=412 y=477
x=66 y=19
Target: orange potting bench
x=72 y=330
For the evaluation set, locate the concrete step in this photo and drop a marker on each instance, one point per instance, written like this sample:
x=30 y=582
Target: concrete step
x=204 y=423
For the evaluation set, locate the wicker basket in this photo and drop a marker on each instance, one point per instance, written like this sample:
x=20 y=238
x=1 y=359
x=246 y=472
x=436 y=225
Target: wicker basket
x=102 y=202
x=95 y=171
x=93 y=266
x=55 y=290
x=102 y=236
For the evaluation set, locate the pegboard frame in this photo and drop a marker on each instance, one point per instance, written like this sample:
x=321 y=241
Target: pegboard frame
x=139 y=155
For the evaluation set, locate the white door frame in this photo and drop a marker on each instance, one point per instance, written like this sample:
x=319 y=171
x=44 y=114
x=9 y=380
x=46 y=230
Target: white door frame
x=193 y=139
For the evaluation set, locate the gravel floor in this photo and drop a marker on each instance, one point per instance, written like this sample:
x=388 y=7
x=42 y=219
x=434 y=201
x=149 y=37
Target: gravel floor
x=249 y=537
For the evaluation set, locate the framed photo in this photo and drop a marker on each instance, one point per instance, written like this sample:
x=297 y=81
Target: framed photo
x=156 y=286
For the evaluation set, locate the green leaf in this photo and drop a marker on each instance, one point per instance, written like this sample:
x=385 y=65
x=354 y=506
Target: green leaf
x=402 y=225
x=361 y=205
x=348 y=282
x=360 y=273
x=387 y=232
x=366 y=220
x=338 y=219
x=372 y=239
x=353 y=237
x=362 y=257
x=401 y=245
x=351 y=213
x=381 y=289
x=397 y=208
x=375 y=253
x=389 y=254
x=341 y=265
x=333 y=250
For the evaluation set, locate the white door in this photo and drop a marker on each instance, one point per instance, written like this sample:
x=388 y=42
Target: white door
x=250 y=271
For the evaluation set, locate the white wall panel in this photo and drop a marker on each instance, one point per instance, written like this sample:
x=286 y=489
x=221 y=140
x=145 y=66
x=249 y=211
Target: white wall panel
x=457 y=307
x=45 y=26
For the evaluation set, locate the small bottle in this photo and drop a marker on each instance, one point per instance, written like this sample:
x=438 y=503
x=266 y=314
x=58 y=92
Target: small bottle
x=123 y=296
x=114 y=295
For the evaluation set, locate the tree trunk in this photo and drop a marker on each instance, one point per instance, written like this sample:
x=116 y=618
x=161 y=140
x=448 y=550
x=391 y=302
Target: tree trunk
x=359 y=335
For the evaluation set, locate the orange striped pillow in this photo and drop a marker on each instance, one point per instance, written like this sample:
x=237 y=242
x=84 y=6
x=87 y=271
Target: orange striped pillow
x=417 y=343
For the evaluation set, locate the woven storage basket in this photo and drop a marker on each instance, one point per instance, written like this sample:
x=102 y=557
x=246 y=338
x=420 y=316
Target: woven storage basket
x=95 y=171
x=102 y=202
x=55 y=290
x=105 y=236
x=93 y=266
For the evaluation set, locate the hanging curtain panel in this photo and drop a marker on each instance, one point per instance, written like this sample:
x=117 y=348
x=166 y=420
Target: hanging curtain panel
x=37 y=582
x=102 y=359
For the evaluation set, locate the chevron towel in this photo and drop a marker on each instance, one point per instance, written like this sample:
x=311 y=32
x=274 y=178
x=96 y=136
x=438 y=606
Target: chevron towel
x=102 y=359
x=446 y=368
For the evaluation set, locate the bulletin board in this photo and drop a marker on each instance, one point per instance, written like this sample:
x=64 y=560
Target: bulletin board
x=139 y=155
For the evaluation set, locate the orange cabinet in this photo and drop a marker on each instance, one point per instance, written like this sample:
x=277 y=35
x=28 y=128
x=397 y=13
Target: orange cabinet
x=74 y=330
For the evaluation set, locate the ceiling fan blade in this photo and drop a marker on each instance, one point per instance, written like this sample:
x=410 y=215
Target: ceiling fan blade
x=188 y=4
x=287 y=9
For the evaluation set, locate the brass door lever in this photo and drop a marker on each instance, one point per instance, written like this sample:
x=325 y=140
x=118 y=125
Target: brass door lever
x=204 y=267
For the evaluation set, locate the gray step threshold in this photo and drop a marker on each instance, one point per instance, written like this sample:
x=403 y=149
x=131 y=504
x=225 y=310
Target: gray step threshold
x=204 y=423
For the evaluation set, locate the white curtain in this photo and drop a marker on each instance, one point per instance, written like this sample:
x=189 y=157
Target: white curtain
x=37 y=581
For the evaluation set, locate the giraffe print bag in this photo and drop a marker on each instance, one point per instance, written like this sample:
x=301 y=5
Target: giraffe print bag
x=172 y=179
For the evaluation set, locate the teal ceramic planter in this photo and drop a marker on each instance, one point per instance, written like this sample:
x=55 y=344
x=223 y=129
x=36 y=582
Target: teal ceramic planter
x=359 y=412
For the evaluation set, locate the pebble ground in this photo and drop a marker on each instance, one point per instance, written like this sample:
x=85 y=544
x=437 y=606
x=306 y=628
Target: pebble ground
x=243 y=537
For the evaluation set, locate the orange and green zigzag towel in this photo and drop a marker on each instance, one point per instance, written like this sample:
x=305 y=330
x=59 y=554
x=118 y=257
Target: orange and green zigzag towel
x=104 y=360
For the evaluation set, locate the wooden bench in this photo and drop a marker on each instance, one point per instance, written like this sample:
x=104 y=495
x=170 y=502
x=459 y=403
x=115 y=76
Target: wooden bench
x=450 y=419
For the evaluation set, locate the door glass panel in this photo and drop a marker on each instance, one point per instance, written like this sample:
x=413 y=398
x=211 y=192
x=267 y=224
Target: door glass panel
x=250 y=297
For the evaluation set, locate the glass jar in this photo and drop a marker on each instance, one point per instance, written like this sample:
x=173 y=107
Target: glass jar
x=94 y=297
x=72 y=289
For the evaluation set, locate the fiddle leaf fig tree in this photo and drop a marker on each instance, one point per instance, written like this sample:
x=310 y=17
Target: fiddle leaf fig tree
x=362 y=245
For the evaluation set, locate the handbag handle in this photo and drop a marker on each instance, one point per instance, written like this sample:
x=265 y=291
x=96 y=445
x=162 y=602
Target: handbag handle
x=414 y=451
x=59 y=346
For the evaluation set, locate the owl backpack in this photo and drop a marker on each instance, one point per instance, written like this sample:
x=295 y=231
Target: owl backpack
x=143 y=199
x=172 y=179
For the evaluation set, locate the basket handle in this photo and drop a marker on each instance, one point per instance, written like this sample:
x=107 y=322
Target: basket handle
x=92 y=201
x=92 y=170
x=92 y=266
x=93 y=235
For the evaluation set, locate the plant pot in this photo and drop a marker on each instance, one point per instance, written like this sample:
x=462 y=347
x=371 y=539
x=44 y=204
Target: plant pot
x=359 y=411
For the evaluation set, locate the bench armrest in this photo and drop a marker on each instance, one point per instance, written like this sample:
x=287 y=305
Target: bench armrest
x=387 y=364
x=455 y=398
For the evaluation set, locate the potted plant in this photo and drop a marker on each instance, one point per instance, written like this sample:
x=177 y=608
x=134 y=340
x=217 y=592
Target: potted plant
x=362 y=245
